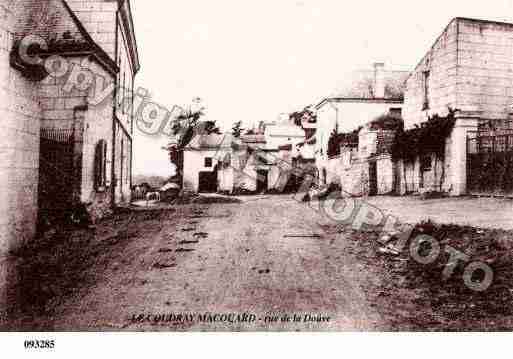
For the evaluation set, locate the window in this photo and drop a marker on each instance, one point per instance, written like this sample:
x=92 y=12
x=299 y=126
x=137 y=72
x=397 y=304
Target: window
x=396 y=111
x=208 y=162
x=122 y=164
x=100 y=166
x=426 y=77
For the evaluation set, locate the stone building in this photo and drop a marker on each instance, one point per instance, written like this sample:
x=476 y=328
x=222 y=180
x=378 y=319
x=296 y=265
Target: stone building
x=253 y=163
x=361 y=162
x=469 y=69
x=202 y=157
x=222 y=163
x=110 y=25
x=363 y=96
x=66 y=142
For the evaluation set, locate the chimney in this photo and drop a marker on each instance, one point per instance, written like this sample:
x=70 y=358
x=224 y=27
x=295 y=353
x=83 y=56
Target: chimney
x=379 y=80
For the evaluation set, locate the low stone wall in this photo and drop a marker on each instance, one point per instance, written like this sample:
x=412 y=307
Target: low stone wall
x=334 y=170
x=354 y=179
x=411 y=178
x=386 y=174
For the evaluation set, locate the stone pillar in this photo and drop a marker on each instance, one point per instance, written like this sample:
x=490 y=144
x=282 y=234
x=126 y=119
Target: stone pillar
x=78 y=149
x=458 y=169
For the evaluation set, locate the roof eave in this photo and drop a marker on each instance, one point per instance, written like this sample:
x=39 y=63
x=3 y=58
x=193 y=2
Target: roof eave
x=100 y=53
x=359 y=99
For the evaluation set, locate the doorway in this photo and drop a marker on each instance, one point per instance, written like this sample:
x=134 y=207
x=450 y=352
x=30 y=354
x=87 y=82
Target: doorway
x=373 y=178
x=262 y=181
x=207 y=182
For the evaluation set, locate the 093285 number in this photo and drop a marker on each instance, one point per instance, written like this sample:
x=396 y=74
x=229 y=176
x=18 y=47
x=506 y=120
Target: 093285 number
x=39 y=344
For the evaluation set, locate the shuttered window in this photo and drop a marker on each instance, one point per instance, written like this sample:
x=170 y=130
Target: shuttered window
x=100 y=166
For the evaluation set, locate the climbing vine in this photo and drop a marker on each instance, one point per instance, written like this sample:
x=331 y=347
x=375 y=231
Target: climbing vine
x=424 y=139
x=337 y=140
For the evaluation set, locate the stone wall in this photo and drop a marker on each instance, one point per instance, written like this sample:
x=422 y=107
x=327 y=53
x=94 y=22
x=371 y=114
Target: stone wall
x=386 y=174
x=194 y=164
x=280 y=170
x=412 y=178
x=19 y=157
x=60 y=103
x=354 y=179
x=99 y=19
x=352 y=173
x=333 y=170
x=471 y=69
x=19 y=143
x=441 y=62
x=225 y=178
x=122 y=161
x=97 y=127
x=347 y=116
x=485 y=68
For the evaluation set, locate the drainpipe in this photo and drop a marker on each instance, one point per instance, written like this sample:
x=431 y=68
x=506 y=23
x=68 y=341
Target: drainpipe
x=132 y=134
x=78 y=151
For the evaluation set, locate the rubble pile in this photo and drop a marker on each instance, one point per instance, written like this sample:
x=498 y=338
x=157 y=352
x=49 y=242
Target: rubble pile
x=407 y=287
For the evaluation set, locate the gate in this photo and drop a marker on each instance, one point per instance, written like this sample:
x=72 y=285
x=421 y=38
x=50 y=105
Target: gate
x=490 y=163
x=55 y=173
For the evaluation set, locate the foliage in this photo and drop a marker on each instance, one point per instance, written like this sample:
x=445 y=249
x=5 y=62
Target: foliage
x=338 y=140
x=306 y=114
x=187 y=125
x=237 y=129
x=424 y=139
x=388 y=122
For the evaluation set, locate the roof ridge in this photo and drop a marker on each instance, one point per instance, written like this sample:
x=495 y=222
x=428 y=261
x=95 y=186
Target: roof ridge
x=485 y=21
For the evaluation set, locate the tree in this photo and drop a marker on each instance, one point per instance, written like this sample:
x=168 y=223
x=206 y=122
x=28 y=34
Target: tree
x=237 y=129
x=307 y=114
x=187 y=126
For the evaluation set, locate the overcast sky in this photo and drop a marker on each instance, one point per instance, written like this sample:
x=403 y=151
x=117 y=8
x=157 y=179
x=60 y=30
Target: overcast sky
x=252 y=60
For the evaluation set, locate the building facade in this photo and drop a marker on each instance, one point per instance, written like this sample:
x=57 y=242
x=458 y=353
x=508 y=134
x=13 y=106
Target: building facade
x=66 y=143
x=110 y=25
x=251 y=163
x=202 y=157
x=364 y=96
x=468 y=69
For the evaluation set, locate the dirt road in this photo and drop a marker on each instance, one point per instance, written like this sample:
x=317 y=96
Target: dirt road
x=274 y=262
x=266 y=256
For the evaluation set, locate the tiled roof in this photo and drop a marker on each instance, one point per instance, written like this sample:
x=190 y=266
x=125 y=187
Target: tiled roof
x=211 y=141
x=361 y=85
x=253 y=138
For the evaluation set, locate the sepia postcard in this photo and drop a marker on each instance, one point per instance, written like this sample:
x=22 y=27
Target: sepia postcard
x=255 y=166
